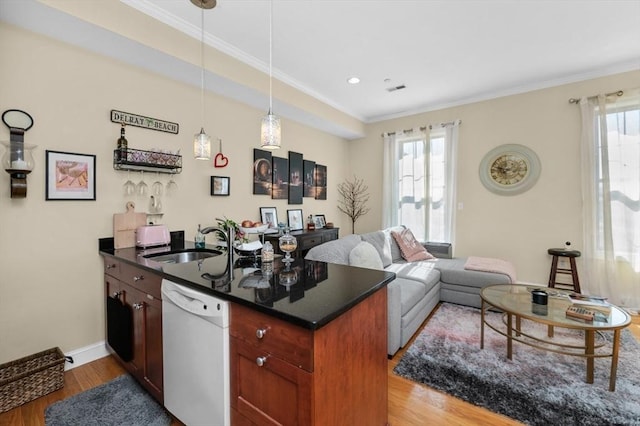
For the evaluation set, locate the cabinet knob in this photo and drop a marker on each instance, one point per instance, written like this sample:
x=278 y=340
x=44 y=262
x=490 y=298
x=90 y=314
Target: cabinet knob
x=111 y=266
x=138 y=306
x=261 y=332
x=140 y=278
x=116 y=294
x=261 y=360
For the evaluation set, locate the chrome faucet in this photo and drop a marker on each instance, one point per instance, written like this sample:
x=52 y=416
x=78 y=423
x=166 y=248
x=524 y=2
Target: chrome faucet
x=229 y=235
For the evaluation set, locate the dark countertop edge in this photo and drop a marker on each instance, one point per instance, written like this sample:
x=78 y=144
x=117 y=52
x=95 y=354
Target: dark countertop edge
x=106 y=249
x=315 y=325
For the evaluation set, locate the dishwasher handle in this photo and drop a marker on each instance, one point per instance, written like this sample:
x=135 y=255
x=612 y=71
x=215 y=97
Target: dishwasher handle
x=189 y=304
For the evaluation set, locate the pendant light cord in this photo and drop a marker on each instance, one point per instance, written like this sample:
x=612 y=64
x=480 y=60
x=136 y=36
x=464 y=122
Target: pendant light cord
x=202 y=60
x=270 y=55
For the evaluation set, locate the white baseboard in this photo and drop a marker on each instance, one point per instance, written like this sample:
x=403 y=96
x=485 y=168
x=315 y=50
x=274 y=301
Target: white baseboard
x=87 y=354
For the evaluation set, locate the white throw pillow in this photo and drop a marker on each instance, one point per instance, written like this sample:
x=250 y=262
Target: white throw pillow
x=365 y=255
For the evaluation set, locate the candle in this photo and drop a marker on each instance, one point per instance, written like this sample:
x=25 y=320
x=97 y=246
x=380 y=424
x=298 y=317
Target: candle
x=19 y=165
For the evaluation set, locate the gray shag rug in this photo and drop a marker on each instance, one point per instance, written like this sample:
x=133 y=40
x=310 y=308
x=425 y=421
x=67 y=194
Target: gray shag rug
x=118 y=402
x=536 y=387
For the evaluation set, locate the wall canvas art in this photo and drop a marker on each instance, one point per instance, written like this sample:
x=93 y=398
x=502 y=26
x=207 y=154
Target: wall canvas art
x=309 y=168
x=321 y=182
x=295 y=178
x=261 y=172
x=280 y=189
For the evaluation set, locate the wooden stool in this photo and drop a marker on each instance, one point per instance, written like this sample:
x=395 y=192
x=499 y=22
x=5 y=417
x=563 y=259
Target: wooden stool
x=573 y=271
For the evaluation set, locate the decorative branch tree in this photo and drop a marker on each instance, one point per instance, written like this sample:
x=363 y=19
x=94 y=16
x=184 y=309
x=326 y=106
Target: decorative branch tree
x=353 y=199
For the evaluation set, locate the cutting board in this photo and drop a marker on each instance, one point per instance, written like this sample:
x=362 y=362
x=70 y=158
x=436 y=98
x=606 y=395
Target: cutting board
x=125 y=225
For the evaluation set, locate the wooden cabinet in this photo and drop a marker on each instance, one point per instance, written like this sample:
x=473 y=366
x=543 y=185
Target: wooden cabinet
x=306 y=240
x=140 y=291
x=282 y=374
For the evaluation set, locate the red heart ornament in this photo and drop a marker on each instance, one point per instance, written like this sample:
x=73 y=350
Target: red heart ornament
x=220 y=160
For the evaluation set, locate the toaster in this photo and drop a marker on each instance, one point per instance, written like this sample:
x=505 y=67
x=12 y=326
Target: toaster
x=152 y=235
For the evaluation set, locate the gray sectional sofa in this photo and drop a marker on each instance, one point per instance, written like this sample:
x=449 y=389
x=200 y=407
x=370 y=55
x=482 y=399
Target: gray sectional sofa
x=418 y=286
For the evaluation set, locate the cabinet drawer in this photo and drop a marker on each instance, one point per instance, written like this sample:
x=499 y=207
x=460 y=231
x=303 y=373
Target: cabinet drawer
x=308 y=242
x=112 y=267
x=283 y=340
x=329 y=235
x=266 y=390
x=140 y=279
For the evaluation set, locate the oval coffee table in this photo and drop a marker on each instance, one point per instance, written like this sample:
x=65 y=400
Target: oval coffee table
x=514 y=300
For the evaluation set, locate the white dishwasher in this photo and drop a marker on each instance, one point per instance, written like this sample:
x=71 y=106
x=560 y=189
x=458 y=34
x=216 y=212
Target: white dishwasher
x=195 y=343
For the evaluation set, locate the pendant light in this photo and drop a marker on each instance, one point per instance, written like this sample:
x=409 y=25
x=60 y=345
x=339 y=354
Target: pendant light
x=270 y=129
x=202 y=141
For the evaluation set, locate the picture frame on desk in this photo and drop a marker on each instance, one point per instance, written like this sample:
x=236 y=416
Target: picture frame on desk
x=319 y=221
x=295 y=221
x=269 y=216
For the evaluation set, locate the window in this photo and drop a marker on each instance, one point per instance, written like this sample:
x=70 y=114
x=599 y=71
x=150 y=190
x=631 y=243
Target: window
x=619 y=159
x=419 y=184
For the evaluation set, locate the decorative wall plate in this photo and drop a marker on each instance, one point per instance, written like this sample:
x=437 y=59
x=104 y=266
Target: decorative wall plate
x=509 y=169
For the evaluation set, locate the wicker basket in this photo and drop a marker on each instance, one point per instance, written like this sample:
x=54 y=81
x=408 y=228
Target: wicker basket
x=31 y=377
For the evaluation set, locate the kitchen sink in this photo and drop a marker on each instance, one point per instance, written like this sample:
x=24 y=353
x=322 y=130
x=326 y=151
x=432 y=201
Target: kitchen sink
x=182 y=256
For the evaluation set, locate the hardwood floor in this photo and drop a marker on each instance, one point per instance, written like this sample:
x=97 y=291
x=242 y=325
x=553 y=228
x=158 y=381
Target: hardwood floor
x=409 y=403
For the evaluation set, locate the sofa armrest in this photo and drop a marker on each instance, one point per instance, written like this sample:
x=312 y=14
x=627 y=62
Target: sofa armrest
x=394 y=316
x=440 y=250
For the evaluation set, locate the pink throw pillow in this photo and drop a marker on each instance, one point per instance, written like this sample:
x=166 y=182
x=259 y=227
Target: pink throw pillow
x=410 y=248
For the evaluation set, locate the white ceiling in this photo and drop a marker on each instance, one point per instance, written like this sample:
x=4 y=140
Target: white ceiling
x=446 y=52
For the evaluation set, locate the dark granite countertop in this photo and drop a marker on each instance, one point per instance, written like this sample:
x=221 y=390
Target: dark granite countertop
x=321 y=292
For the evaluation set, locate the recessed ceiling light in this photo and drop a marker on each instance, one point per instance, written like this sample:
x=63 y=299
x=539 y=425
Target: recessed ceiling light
x=353 y=80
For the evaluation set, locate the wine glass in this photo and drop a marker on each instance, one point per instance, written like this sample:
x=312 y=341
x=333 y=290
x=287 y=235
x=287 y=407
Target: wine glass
x=172 y=186
x=287 y=244
x=141 y=187
x=129 y=186
x=157 y=186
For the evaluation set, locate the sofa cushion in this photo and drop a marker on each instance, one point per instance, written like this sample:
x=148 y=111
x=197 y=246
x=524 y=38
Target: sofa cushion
x=412 y=293
x=365 y=255
x=380 y=241
x=452 y=272
x=396 y=255
x=410 y=248
x=336 y=251
x=424 y=272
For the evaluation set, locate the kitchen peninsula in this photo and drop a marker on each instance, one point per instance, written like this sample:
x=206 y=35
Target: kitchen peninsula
x=308 y=341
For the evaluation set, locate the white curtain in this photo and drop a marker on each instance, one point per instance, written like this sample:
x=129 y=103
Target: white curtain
x=390 y=189
x=451 y=145
x=610 y=155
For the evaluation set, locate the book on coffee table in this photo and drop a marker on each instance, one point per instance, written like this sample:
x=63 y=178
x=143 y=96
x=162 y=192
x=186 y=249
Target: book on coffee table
x=591 y=302
x=586 y=314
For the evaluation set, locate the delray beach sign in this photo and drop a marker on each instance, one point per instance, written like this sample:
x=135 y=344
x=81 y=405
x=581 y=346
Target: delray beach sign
x=142 y=121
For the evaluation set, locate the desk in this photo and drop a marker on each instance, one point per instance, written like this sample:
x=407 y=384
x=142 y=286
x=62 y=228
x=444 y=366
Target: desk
x=306 y=240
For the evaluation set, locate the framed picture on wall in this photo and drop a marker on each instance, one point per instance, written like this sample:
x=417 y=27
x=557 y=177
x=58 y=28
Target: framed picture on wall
x=295 y=178
x=309 y=168
x=269 y=216
x=70 y=176
x=220 y=185
x=261 y=172
x=280 y=188
x=295 y=219
x=321 y=182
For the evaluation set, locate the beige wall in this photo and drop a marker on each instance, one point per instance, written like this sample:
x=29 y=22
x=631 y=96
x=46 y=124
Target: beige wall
x=517 y=228
x=51 y=286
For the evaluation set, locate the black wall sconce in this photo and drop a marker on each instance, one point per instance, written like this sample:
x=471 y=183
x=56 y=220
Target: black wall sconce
x=17 y=159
